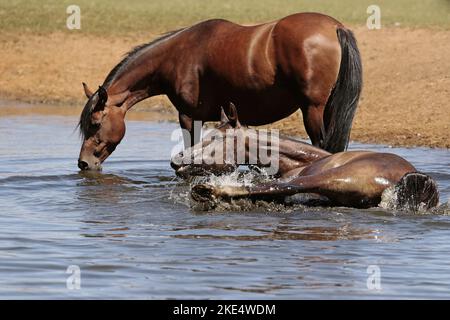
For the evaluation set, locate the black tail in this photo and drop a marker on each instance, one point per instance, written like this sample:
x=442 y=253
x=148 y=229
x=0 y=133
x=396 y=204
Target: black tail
x=341 y=105
x=416 y=191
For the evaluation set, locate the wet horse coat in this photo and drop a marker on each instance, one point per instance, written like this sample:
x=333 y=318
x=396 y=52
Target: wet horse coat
x=352 y=178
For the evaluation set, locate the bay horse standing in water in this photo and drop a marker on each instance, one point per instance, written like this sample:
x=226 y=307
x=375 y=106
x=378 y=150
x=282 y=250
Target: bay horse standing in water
x=306 y=60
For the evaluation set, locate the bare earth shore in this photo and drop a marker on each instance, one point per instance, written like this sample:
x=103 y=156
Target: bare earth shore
x=405 y=99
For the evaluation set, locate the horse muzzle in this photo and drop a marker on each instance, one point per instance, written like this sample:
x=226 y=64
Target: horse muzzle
x=85 y=166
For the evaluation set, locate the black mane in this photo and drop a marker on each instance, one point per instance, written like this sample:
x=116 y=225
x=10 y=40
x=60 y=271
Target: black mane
x=85 y=124
x=133 y=53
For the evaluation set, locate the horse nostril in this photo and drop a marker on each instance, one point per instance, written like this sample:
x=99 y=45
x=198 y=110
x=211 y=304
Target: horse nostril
x=83 y=165
x=174 y=165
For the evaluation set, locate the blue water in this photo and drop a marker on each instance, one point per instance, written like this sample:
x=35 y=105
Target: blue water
x=132 y=233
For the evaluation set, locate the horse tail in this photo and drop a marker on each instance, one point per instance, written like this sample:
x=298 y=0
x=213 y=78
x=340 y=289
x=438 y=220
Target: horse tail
x=343 y=100
x=416 y=191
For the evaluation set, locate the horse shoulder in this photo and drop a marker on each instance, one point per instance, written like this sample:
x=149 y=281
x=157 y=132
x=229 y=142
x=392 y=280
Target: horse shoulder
x=187 y=84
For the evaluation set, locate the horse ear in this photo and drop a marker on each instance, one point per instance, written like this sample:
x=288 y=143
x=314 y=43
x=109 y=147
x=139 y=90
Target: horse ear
x=88 y=92
x=223 y=117
x=234 y=119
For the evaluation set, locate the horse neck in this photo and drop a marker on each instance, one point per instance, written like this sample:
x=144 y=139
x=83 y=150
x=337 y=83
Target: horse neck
x=135 y=79
x=300 y=151
x=288 y=152
x=254 y=146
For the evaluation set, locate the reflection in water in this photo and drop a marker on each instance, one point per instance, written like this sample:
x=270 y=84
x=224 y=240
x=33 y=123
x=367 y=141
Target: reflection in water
x=111 y=189
x=279 y=232
x=97 y=189
x=133 y=232
x=305 y=266
x=109 y=233
x=97 y=177
x=107 y=199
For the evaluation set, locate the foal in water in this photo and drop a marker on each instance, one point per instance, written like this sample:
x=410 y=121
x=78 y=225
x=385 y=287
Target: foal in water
x=306 y=61
x=352 y=178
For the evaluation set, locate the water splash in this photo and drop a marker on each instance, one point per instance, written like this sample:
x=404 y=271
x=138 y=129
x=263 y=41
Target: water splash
x=239 y=178
x=298 y=202
x=236 y=178
x=389 y=201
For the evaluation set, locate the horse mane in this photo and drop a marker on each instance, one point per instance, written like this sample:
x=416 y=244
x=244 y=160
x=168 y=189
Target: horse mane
x=85 y=124
x=133 y=53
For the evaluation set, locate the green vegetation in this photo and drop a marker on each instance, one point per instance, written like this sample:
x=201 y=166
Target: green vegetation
x=121 y=17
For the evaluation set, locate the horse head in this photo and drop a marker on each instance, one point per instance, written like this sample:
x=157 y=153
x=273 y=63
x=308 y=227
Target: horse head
x=208 y=155
x=102 y=127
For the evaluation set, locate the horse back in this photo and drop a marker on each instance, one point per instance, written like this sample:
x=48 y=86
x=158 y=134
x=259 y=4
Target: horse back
x=240 y=55
x=263 y=68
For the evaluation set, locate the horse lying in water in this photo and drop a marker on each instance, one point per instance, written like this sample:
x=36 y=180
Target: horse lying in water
x=352 y=178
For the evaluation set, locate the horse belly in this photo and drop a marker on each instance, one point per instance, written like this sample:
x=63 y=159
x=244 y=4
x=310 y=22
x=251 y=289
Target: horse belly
x=267 y=107
x=254 y=107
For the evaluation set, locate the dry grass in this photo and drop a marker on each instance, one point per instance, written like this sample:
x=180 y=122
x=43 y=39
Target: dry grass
x=106 y=17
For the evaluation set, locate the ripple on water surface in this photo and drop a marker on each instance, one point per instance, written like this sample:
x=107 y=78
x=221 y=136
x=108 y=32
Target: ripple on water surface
x=134 y=234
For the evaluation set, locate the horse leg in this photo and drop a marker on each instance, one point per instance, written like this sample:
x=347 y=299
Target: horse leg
x=330 y=183
x=266 y=191
x=191 y=130
x=184 y=97
x=313 y=121
x=316 y=73
x=196 y=132
x=186 y=124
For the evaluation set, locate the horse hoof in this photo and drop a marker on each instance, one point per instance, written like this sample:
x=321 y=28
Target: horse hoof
x=203 y=192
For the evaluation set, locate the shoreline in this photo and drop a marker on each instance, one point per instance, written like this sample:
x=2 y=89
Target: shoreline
x=161 y=113
x=18 y=108
x=404 y=100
